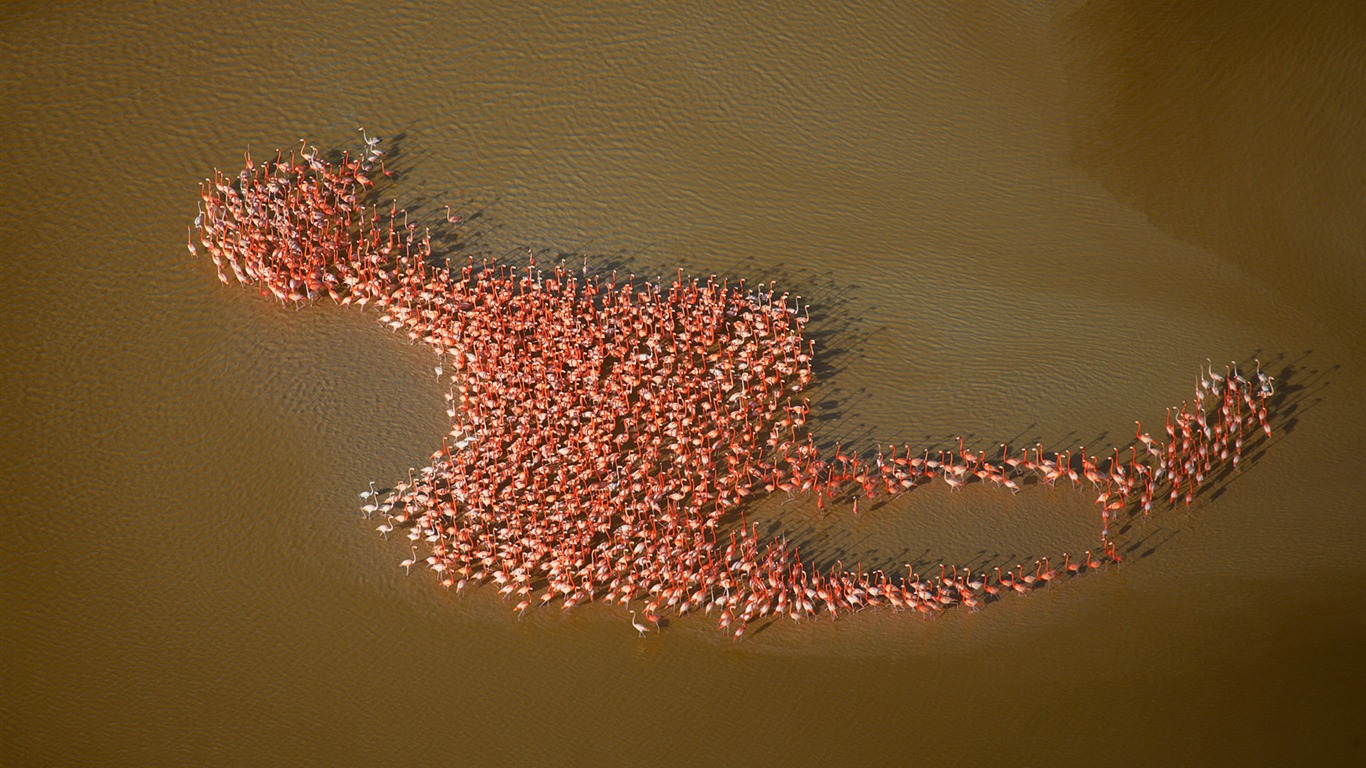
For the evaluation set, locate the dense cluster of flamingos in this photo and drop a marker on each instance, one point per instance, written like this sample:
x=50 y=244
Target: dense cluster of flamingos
x=605 y=432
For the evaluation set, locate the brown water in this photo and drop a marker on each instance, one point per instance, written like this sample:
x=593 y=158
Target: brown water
x=1017 y=224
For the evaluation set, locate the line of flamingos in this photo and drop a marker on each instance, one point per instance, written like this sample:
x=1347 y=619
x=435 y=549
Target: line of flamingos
x=603 y=430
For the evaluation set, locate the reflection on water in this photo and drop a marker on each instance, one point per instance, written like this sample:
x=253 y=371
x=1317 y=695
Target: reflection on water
x=1024 y=224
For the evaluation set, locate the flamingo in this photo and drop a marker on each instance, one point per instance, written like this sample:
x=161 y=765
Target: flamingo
x=584 y=404
x=373 y=496
x=641 y=628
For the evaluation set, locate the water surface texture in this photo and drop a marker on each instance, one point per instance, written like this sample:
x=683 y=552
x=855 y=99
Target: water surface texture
x=1016 y=223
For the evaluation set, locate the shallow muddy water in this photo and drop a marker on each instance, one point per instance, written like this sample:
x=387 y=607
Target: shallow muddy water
x=1015 y=224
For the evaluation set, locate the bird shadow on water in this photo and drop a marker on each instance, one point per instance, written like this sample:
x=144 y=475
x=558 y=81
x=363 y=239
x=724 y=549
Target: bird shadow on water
x=844 y=546
x=465 y=230
x=839 y=327
x=468 y=232
x=1299 y=388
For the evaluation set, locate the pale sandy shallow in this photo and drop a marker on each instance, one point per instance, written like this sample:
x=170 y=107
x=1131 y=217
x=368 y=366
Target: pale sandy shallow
x=1015 y=225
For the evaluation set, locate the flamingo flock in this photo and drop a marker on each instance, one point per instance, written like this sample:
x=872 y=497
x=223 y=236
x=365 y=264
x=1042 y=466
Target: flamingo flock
x=604 y=430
